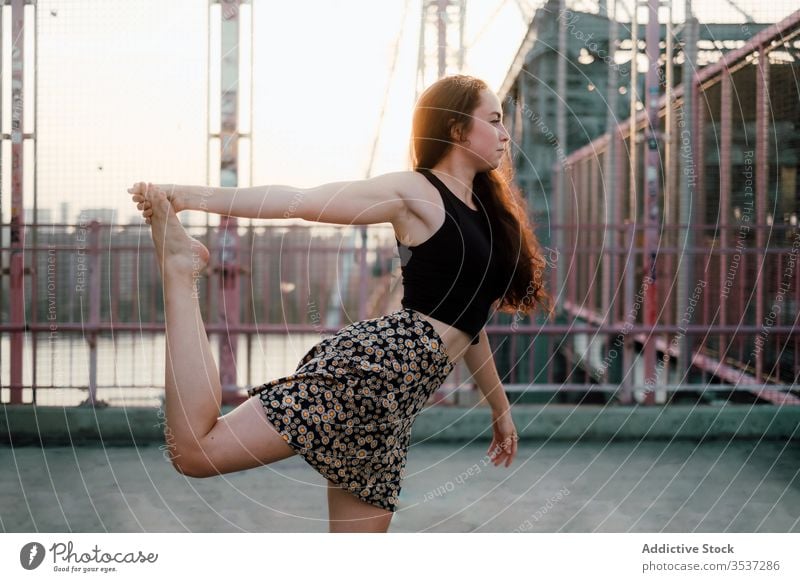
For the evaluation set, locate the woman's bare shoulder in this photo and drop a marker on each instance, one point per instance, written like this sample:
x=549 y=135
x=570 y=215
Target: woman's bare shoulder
x=405 y=182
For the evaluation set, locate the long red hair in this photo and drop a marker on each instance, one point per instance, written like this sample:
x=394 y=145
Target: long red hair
x=451 y=101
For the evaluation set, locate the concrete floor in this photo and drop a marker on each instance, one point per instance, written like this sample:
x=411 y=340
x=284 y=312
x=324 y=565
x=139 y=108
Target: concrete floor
x=647 y=486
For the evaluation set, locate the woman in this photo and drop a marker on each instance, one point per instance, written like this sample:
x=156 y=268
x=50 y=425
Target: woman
x=348 y=408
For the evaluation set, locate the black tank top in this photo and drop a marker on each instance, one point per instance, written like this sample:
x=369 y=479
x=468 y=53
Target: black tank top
x=452 y=275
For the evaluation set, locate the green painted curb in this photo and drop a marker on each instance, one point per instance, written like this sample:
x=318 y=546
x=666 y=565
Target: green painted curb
x=115 y=426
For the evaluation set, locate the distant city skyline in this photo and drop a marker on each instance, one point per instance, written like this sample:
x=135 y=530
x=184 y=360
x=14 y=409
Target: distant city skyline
x=66 y=215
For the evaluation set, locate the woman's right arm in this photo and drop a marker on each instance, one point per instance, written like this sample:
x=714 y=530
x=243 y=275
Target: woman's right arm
x=370 y=201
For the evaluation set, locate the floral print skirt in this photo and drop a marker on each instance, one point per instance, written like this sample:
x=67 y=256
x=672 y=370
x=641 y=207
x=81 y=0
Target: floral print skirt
x=348 y=407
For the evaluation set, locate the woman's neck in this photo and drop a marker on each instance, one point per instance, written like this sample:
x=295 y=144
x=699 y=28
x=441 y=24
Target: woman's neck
x=459 y=175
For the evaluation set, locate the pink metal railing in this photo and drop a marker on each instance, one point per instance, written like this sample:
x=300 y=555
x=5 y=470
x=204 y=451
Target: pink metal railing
x=745 y=265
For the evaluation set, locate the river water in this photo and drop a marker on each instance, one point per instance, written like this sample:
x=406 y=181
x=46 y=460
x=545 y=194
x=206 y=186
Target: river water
x=131 y=367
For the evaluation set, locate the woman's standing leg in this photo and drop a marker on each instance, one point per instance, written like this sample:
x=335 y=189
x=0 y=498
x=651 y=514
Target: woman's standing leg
x=347 y=513
x=200 y=443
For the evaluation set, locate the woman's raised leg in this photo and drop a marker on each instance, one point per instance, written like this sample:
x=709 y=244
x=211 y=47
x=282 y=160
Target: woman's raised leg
x=200 y=444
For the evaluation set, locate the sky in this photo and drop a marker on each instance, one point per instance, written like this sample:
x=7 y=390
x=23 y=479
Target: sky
x=122 y=93
x=122 y=90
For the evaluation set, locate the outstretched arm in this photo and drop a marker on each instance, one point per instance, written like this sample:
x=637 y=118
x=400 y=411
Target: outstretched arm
x=370 y=201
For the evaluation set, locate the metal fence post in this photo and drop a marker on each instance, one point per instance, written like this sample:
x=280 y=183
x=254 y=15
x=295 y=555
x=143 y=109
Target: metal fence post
x=95 y=299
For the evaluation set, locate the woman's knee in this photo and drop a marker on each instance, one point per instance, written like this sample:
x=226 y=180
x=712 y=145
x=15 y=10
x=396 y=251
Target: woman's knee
x=191 y=465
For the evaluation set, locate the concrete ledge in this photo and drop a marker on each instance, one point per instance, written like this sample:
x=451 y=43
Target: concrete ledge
x=55 y=425
x=48 y=425
x=604 y=423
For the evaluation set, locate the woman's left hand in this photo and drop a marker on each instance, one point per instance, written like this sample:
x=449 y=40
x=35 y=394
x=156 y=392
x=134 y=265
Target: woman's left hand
x=504 y=441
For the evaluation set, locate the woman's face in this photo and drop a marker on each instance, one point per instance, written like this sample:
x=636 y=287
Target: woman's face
x=488 y=138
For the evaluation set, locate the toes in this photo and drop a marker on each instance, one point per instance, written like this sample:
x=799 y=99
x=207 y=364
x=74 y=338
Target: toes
x=137 y=188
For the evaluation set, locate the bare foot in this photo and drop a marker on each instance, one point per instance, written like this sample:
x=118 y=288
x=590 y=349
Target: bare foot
x=175 y=197
x=182 y=255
